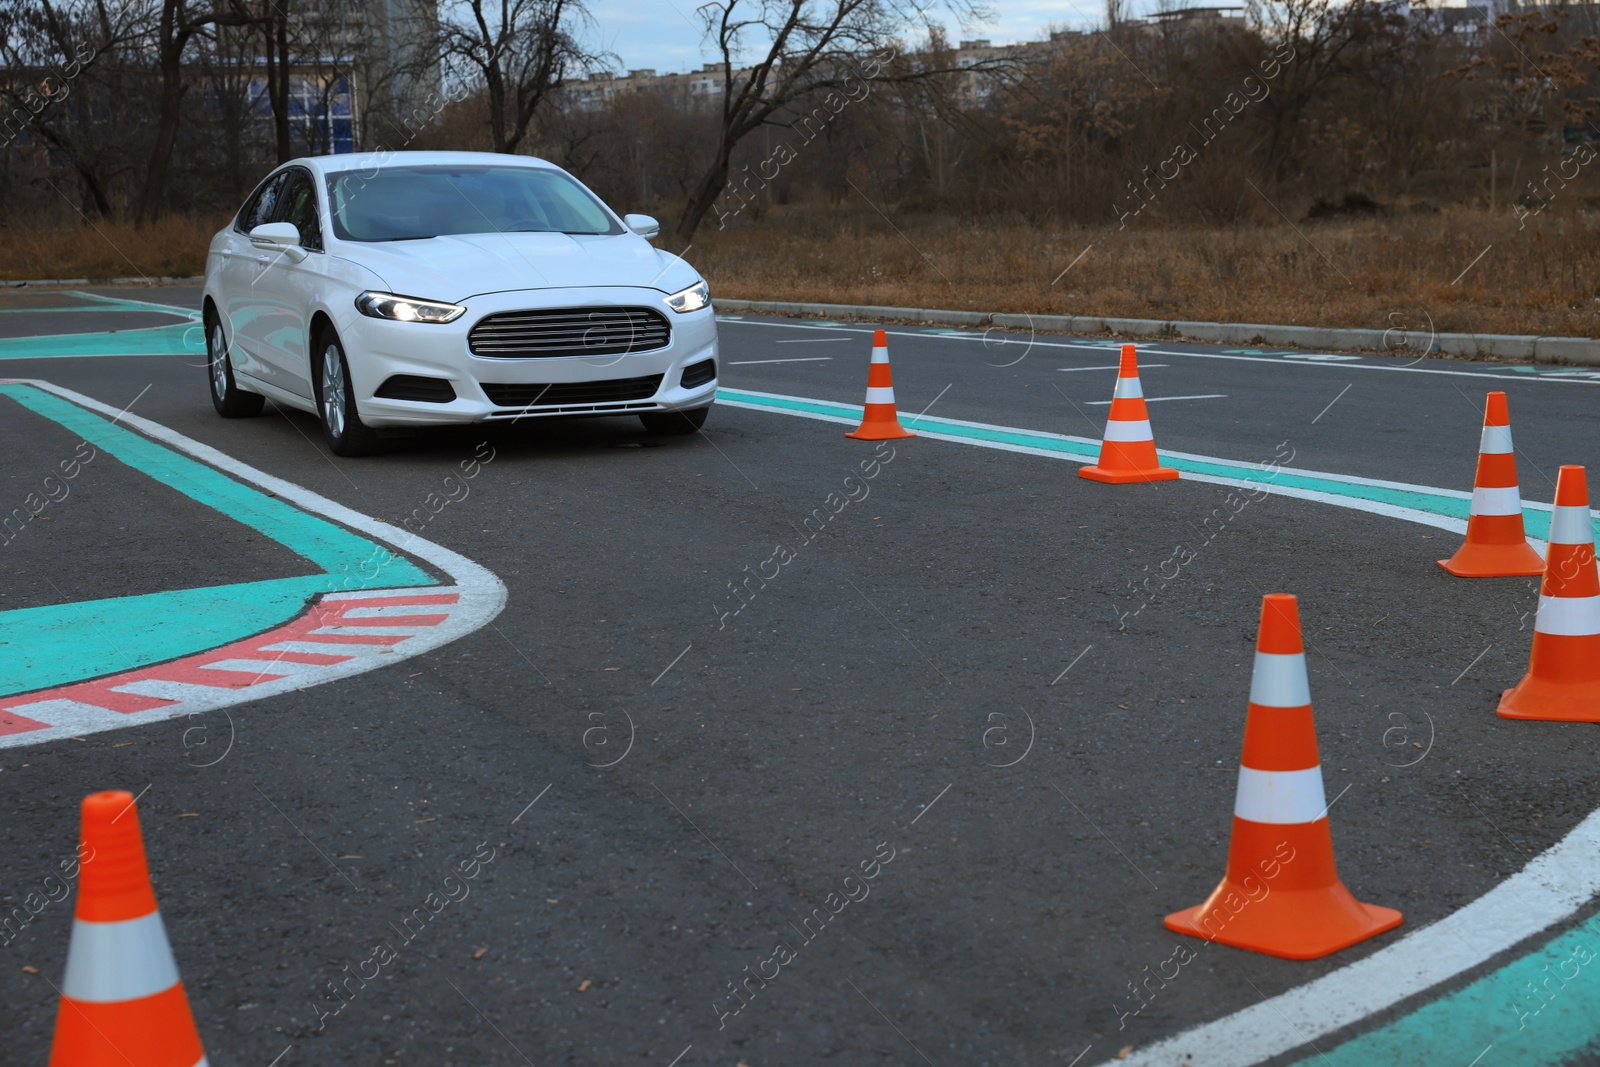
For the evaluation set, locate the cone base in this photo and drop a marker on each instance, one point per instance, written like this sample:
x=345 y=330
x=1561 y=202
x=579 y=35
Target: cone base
x=1098 y=473
x=1536 y=699
x=1299 y=924
x=880 y=431
x=1473 y=560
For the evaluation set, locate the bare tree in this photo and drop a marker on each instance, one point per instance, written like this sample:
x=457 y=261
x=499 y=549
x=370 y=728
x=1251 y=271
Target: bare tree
x=520 y=50
x=52 y=50
x=179 y=22
x=827 y=49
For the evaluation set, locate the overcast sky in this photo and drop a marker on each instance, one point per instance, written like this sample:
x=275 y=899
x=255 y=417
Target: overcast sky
x=662 y=35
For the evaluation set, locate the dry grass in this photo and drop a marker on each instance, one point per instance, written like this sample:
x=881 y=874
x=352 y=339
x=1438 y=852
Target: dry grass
x=1402 y=271
x=1370 y=273
x=173 y=247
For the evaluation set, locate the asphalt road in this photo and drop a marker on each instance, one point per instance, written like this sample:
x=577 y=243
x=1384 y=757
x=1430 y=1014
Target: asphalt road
x=849 y=709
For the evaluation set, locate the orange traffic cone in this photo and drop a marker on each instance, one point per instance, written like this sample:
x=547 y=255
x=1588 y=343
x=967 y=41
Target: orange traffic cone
x=122 y=1004
x=1281 y=894
x=1128 y=450
x=880 y=422
x=1563 y=679
x=1496 y=546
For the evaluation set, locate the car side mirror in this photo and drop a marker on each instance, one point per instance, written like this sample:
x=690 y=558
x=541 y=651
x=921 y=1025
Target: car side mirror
x=281 y=237
x=643 y=225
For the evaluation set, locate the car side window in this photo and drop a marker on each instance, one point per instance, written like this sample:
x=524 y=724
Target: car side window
x=263 y=205
x=298 y=204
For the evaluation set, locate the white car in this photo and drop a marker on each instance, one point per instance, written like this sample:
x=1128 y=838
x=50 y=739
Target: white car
x=422 y=288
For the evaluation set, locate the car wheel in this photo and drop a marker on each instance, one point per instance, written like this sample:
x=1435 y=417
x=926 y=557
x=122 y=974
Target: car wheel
x=674 y=422
x=230 y=401
x=346 y=434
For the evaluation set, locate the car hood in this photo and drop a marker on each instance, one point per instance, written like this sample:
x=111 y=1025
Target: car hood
x=457 y=267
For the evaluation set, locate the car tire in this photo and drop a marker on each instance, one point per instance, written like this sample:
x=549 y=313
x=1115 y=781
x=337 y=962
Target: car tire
x=230 y=401
x=674 y=423
x=342 y=427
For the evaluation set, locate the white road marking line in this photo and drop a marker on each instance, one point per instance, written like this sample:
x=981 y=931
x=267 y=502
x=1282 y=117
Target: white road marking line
x=1546 y=892
x=329 y=648
x=753 y=362
x=388 y=611
x=1152 y=399
x=1143 y=367
x=262 y=667
x=373 y=631
x=809 y=340
x=1300 y=360
x=71 y=714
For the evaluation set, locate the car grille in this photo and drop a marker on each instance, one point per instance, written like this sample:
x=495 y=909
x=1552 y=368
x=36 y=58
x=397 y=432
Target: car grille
x=556 y=332
x=568 y=394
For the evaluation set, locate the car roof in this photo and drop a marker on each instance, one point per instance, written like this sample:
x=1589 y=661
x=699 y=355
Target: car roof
x=369 y=160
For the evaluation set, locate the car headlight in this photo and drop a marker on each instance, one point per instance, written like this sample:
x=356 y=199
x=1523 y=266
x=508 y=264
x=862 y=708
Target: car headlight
x=693 y=298
x=407 y=308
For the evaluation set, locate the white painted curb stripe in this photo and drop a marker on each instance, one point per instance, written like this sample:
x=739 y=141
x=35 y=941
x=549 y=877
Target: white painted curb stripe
x=1127 y=389
x=1545 y=892
x=1128 y=430
x=1496 y=440
x=1280 y=797
x=880 y=394
x=1569 y=525
x=389 y=611
x=112 y=962
x=1279 y=680
x=1568 y=616
x=1502 y=500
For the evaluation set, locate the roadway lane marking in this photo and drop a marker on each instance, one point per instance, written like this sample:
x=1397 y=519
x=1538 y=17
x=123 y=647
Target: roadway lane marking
x=1548 y=891
x=1300 y=360
x=809 y=340
x=1142 y=366
x=803 y=359
x=1445 y=509
x=1153 y=399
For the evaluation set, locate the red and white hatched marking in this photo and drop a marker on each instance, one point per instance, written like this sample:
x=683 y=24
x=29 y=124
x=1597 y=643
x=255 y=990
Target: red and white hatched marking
x=340 y=635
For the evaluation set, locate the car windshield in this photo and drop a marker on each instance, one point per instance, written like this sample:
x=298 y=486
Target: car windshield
x=412 y=203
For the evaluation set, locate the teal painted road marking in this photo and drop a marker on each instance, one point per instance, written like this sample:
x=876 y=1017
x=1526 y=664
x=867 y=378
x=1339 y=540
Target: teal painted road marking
x=62 y=643
x=1542 y=1009
x=179 y=339
x=1419 y=498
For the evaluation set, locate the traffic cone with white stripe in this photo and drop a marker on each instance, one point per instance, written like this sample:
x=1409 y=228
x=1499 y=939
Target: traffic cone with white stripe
x=122 y=1003
x=1281 y=894
x=1128 y=450
x=1563 y=679
x=880 y=422
x=1496 y=545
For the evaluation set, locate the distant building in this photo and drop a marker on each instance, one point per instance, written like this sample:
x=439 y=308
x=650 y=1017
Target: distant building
x=601 y=87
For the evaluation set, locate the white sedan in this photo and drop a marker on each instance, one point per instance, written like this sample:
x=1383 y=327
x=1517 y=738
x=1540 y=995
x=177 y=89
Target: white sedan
x=421 y=288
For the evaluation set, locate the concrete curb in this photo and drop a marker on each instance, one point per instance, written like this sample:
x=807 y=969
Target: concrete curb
x=55 y=283
x=1582 y=351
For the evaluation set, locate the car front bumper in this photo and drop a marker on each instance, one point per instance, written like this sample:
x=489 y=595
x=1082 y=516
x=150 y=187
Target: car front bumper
x=378 y=350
